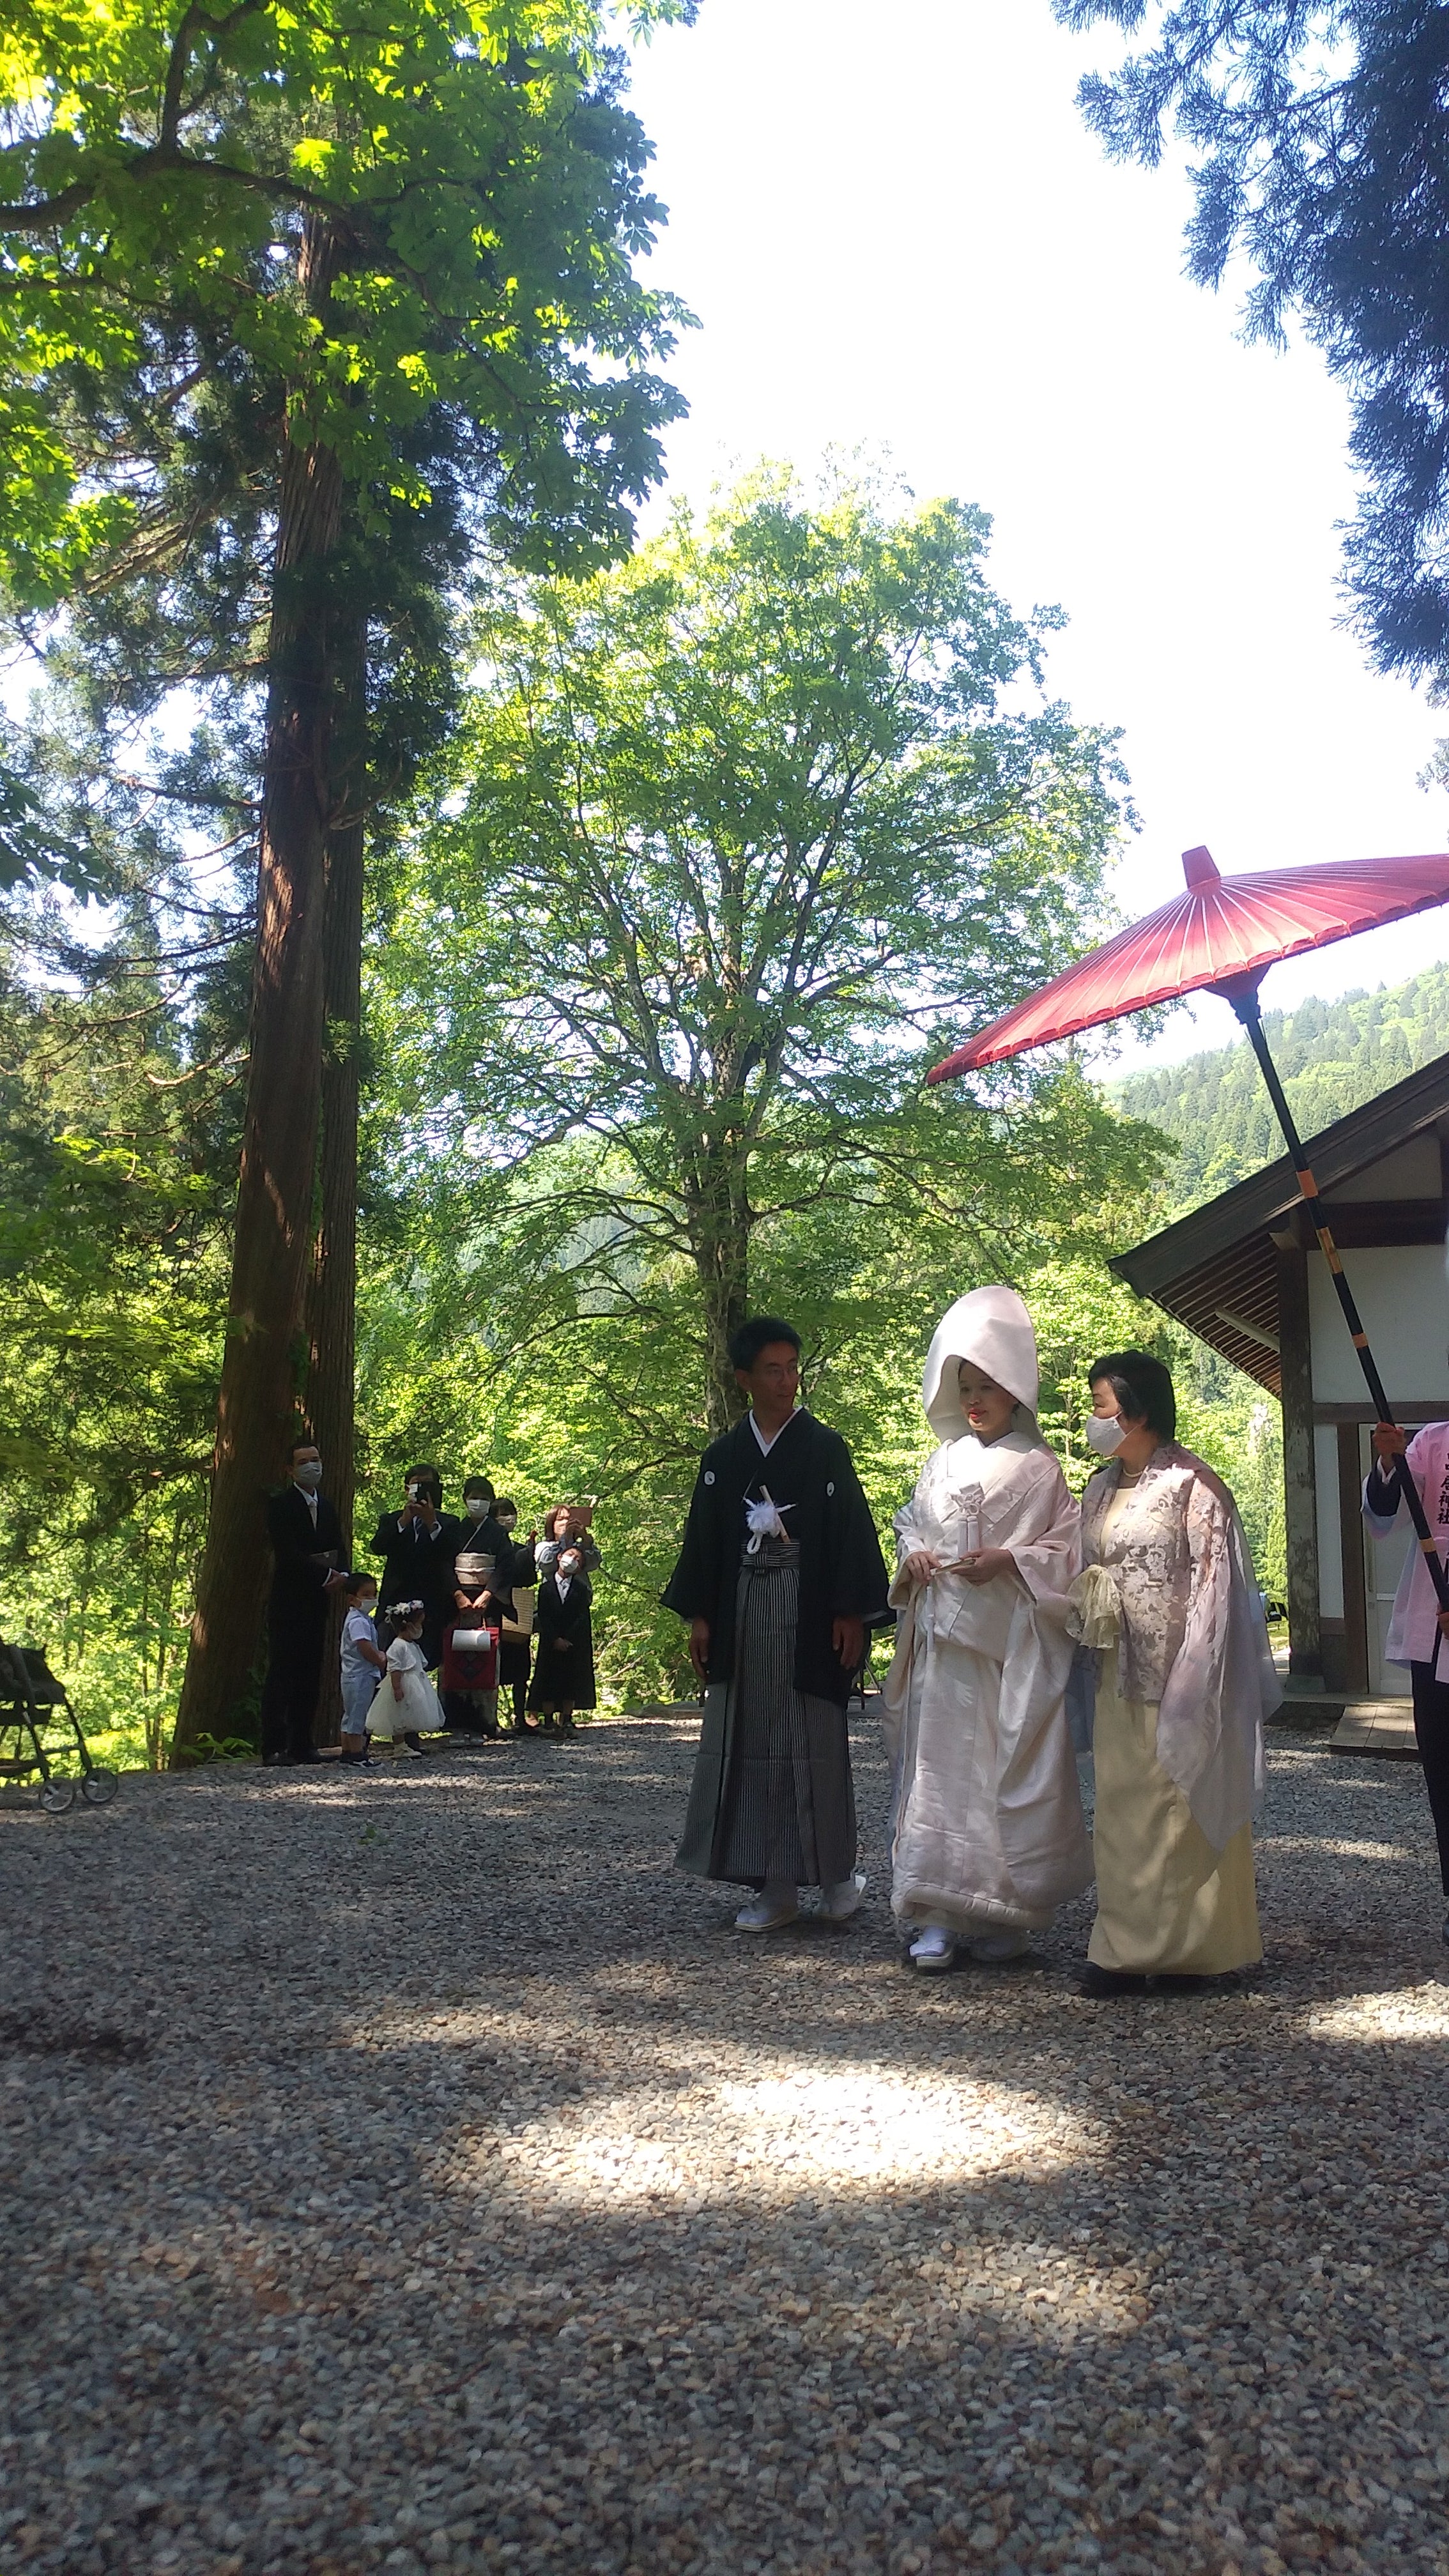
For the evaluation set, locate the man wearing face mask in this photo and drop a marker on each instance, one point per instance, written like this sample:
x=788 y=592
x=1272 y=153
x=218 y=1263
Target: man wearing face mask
x=306 y=1538
x=418 y=1544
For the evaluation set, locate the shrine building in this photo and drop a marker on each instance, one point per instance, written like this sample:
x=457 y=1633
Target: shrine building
x=1244 y=1272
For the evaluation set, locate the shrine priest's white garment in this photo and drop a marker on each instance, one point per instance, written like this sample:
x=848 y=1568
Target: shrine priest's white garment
x=989 y=1836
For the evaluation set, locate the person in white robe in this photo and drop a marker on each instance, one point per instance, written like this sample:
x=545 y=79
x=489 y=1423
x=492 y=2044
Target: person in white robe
x=988 y=1832
x=1168 y=1604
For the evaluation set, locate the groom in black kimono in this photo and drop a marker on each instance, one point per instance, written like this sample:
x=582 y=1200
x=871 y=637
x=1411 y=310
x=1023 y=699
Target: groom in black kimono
x=779 y=1573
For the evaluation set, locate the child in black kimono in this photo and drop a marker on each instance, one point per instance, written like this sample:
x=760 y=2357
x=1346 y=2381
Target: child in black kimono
x=563 y=1676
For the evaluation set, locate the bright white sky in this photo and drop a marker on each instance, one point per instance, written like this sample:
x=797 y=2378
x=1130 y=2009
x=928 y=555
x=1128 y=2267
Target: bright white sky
x=895 y=230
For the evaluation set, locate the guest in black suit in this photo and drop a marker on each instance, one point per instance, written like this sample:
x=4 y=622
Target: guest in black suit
x=306 y=1538
x=418 y=1545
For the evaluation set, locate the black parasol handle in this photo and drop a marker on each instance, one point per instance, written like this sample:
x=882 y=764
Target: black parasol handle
x=1243 y=995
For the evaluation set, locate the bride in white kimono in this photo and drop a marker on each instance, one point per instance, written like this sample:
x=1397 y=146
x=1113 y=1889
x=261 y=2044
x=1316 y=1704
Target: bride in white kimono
x=989 y=1837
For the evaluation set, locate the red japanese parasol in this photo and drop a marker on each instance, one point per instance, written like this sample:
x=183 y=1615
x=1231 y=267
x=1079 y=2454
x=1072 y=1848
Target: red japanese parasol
x=1219 y=930
x=1221 y=936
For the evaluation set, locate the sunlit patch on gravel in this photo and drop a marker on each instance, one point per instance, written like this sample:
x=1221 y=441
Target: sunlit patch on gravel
x=1414 y=2012
x=809 y=2127
x=1302 y=1846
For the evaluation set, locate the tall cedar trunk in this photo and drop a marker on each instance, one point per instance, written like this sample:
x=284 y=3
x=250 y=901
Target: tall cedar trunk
x=256 y=1411
x=332 y=1284
x=721 y=1230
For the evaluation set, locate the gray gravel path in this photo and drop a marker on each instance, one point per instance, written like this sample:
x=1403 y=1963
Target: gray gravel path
x=413 y=2172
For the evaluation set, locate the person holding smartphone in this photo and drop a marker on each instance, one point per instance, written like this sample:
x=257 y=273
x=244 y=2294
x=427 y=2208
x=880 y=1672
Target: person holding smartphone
x=418 y=1542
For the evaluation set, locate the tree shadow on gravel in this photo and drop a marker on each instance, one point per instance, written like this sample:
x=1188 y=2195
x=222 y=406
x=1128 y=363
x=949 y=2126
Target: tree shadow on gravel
x=474 y=2196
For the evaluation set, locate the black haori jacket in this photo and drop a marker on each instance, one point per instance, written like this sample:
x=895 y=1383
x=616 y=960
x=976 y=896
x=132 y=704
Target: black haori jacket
x=842 y=1571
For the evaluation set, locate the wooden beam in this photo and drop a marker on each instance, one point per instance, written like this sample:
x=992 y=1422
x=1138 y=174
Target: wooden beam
x=1300 y=1490
x=1410 y=1410
x=1384 y=1224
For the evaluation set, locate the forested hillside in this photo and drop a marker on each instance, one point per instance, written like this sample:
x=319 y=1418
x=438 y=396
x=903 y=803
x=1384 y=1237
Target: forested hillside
x=1333 y=1056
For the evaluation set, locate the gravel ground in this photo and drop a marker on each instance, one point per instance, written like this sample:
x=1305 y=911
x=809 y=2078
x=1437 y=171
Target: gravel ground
x=413 y=2172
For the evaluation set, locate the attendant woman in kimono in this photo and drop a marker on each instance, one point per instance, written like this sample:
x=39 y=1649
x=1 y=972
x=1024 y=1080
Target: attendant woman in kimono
x=989 y=1838
x=563 y=1677
x=482 y=1599
x=1168 y=1602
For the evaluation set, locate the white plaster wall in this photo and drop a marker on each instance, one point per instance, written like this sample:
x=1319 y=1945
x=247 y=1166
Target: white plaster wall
x=1330 y=1544
x=1403 y=1297
x=1410 y=1172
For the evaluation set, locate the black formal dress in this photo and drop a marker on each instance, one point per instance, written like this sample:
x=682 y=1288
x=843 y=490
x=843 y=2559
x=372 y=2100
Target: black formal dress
x=772 y=1796
x=418 y=1566
x=563 y=1675
x=305 y=1549
x=515 y=1649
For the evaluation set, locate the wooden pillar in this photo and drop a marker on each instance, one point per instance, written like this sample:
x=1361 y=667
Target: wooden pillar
x=1300 y=1484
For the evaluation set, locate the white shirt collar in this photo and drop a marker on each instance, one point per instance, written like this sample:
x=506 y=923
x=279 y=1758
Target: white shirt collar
x=308 y=1498
x=767 y=1445
x=561 y=1585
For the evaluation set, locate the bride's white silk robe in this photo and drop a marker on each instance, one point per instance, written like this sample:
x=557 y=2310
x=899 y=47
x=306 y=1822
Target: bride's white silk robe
x=988 y=1816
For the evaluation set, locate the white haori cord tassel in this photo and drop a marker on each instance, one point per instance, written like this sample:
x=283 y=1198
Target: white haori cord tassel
x=763 y=1521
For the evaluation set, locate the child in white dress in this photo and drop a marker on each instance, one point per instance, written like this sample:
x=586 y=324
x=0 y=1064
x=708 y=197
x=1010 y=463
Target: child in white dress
x=406 y=1702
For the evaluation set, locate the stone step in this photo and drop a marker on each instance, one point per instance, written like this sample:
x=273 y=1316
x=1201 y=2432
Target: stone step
x=1379 y=1726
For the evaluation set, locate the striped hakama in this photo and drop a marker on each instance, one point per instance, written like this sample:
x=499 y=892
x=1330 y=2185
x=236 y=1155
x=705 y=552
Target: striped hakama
x=772 y=1796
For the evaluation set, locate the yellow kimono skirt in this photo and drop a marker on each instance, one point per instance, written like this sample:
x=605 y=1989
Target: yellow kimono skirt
x=1167 y=1903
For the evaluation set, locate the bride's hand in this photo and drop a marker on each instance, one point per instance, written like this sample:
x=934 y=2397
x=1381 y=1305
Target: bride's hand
x=984 y=1564
x=918 y=1567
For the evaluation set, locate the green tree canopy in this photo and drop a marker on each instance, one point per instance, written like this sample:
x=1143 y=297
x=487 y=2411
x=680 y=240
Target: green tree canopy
x=731 y=841
x=271 y=280
x=1316 y=130
x=373 y=213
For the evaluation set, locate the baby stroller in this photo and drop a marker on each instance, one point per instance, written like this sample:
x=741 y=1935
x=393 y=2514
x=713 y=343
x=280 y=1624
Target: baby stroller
x=36 y=1708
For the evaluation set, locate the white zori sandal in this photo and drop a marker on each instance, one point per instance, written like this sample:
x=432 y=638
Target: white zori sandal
x=934 y=1950
x=777 y=1904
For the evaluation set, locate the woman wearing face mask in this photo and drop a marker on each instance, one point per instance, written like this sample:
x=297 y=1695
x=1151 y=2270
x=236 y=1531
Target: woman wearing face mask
x=989 y=1838
x=1168 y=1605
x=481 y=1600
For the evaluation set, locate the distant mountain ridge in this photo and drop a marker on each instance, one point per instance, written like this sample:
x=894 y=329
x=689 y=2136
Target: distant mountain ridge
x=1333 y=1056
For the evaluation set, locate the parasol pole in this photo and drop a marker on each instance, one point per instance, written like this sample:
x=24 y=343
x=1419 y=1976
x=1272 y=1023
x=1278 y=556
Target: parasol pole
x=1241 y=991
